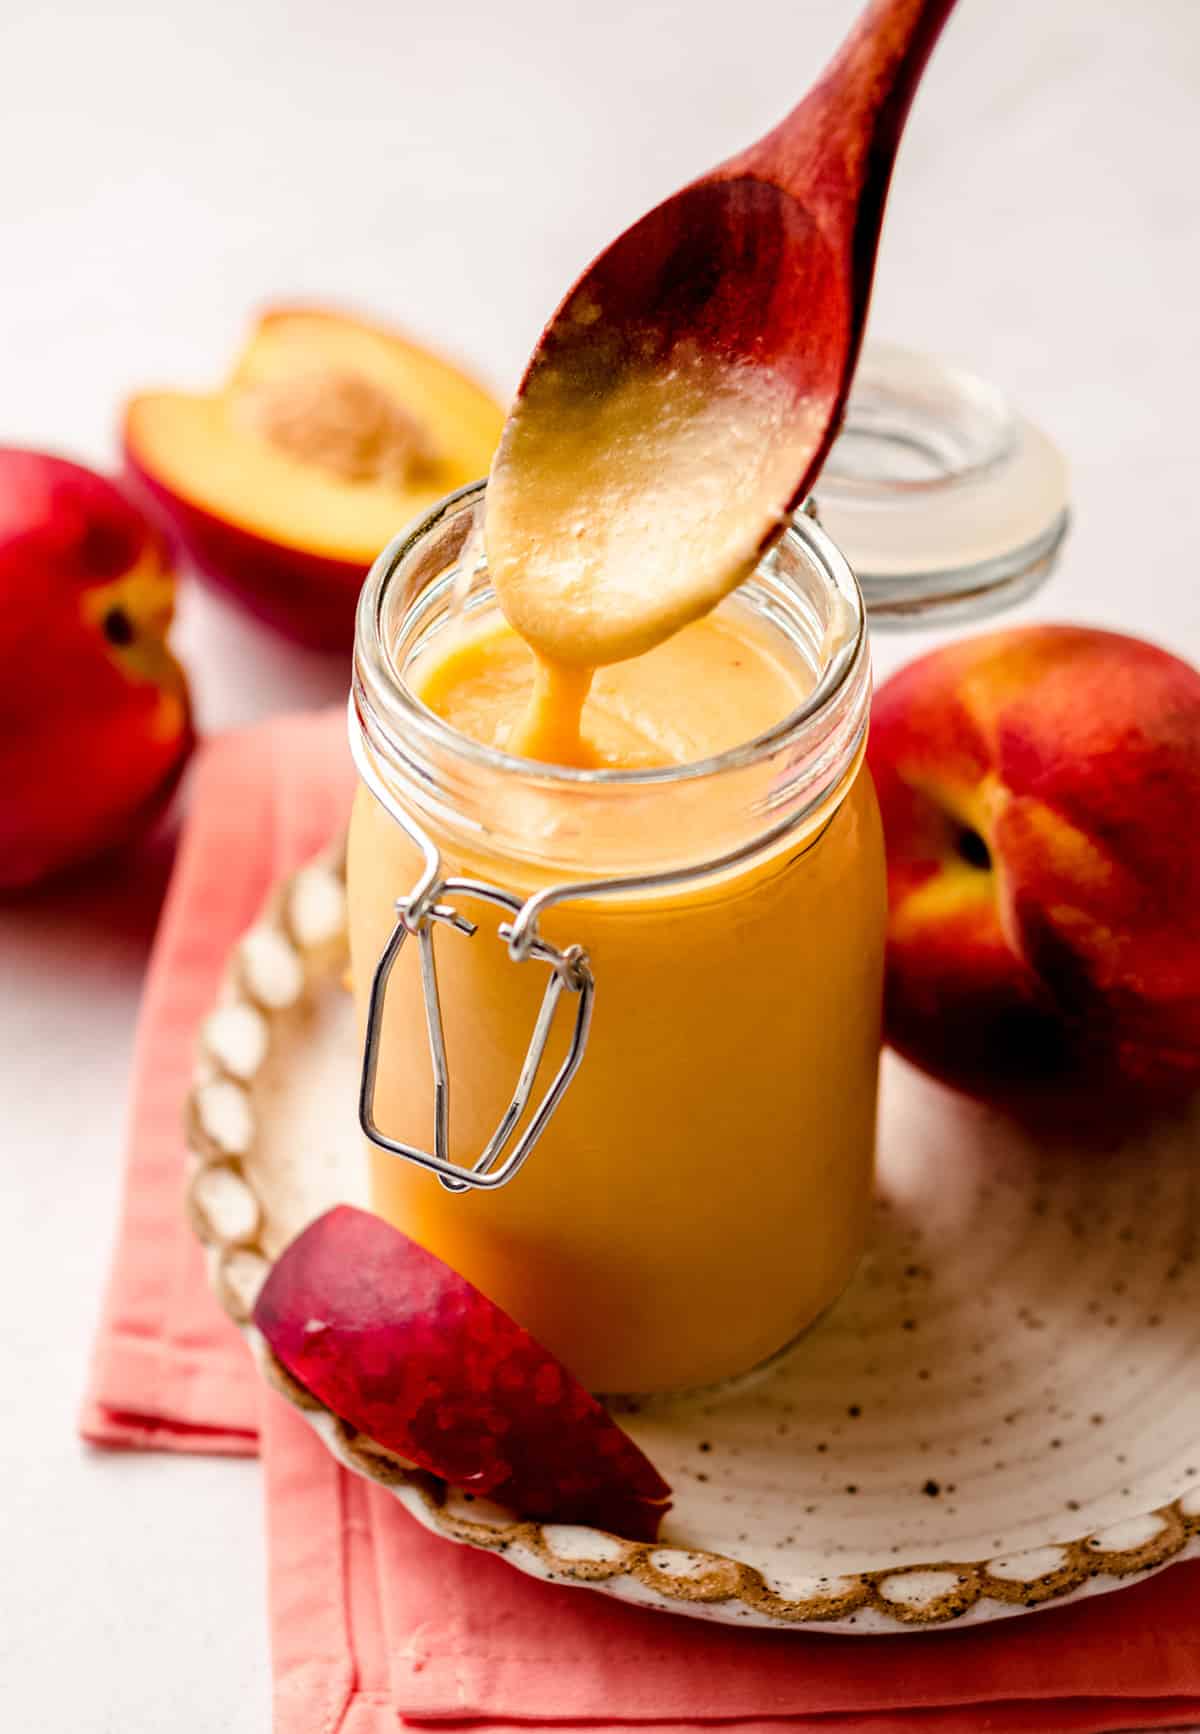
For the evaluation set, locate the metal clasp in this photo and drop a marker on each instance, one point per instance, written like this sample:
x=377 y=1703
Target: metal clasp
x=569 y=972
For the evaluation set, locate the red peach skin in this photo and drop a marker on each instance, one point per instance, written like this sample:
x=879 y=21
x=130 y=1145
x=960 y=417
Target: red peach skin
x=1040 y=790
x=95 y=723
x=308 y=598
x=408 y=1352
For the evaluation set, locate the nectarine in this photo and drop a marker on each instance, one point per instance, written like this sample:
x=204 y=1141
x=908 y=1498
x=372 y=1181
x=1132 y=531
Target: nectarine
x=95 y=723
x=1040 y=790
x=285 y=484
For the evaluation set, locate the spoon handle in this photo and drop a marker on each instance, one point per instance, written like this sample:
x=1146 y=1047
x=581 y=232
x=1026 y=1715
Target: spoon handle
x=835 y=150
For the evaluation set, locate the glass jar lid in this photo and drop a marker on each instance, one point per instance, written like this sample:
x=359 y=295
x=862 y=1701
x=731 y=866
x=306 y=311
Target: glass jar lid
x=947 y=502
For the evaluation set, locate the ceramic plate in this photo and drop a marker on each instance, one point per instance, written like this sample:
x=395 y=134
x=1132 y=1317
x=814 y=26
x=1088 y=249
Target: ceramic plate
x=1001 y=1413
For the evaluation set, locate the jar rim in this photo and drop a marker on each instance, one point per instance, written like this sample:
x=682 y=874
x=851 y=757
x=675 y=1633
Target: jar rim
x=379 y=682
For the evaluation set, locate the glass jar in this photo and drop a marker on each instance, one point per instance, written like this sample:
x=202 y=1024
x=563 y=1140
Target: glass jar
x=700 y=1138
x=700 y=1190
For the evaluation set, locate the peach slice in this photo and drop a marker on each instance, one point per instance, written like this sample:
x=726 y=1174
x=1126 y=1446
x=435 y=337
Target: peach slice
x=328 y=438
x=1039 y=790
x=95 y=721
x=408 y=1352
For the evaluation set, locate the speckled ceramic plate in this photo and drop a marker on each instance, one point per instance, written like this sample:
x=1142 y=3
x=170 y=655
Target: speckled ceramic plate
x=1002 y=1412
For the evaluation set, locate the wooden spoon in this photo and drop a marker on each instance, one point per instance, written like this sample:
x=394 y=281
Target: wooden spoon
x=683 y=397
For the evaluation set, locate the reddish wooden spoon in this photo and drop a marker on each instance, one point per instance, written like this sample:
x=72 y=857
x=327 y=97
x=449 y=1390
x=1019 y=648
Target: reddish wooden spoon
x=683 y=397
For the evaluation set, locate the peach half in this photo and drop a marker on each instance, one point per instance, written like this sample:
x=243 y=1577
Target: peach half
x=1040 y=790
x=328 y=438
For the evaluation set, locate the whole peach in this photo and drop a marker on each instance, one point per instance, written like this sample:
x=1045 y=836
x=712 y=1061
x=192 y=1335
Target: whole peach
x=1040 y=791
x=95 y=723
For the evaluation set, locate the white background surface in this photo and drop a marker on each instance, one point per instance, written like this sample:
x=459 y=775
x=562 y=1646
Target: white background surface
x=170 y=165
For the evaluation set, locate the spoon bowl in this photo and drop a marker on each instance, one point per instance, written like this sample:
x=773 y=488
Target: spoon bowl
x=681 y=400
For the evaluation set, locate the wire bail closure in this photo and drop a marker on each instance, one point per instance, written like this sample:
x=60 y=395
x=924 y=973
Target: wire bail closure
x=570 y=972
x=416 y=916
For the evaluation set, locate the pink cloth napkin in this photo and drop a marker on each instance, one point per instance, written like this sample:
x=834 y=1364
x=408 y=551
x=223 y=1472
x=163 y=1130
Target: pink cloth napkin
x=168 y=1369
x=373 y=1620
